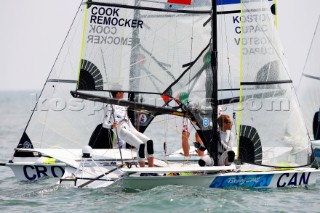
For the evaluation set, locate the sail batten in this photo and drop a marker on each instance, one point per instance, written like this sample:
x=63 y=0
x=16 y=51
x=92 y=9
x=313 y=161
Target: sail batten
x=311 y=76
x=62 y=81
x=267 y=82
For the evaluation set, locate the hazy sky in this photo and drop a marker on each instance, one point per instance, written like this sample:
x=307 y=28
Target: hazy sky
x=32 y=32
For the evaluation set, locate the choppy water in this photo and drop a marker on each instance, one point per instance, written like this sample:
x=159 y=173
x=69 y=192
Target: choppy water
x=46 y=196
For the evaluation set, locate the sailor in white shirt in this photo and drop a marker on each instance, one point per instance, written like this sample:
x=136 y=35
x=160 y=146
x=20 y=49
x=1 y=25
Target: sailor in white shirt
x=117 y=118
x=225 y=153
x=115 y=113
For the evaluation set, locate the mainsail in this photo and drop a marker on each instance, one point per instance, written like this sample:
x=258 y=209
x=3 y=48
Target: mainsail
x=139 y=46
x=309 y=87
x=157 y=53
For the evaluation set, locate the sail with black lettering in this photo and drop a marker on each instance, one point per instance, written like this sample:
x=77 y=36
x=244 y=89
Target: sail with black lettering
x=269 y=115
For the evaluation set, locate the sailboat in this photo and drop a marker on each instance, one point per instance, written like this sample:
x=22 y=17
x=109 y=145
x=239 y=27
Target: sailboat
x=154 y=51
x=308 y=90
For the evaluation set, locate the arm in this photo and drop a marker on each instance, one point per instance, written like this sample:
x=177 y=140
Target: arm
x=228 y=140
x=185 y=144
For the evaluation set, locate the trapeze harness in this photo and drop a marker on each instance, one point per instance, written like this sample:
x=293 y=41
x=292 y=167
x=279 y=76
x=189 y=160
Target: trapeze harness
x=126 y=131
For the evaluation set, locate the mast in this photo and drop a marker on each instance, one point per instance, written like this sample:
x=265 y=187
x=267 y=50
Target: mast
x=214 y=99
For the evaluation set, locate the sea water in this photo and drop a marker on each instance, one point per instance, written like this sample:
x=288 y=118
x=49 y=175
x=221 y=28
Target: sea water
x=46 y=196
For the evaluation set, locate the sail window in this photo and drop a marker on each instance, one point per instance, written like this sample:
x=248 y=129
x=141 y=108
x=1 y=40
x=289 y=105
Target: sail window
x=90 y=76
x=250 y=150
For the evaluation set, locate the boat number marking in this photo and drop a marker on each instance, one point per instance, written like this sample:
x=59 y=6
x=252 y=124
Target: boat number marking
x=293 y=179
x=34 y=172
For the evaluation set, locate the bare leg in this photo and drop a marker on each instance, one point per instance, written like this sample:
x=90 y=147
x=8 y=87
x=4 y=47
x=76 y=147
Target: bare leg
x=142 y=164
x=150 y=161
x=185 y=144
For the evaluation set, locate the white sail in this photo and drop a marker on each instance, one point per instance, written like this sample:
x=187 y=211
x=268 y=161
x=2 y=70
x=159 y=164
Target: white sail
x=142 y=50
x=269 y=106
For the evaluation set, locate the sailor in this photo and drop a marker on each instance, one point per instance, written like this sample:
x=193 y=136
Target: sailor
x=225 y=153
x=116 y=118
x=199 y=143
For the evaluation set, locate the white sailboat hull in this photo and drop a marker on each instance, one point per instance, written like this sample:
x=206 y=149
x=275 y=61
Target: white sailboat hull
x=272 y=179
x=57 y=161
x=34 y=171
x=193 y=175
x=174 y=174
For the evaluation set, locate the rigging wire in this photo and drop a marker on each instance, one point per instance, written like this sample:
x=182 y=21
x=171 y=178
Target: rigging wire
x=228 y=56
x=118 y=141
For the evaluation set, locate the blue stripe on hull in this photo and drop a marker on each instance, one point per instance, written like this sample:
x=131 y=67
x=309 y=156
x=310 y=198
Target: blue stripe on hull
x=252 y=181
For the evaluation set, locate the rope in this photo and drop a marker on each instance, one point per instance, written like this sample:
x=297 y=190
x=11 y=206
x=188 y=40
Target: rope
x=279 y=167
x=117 y=136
